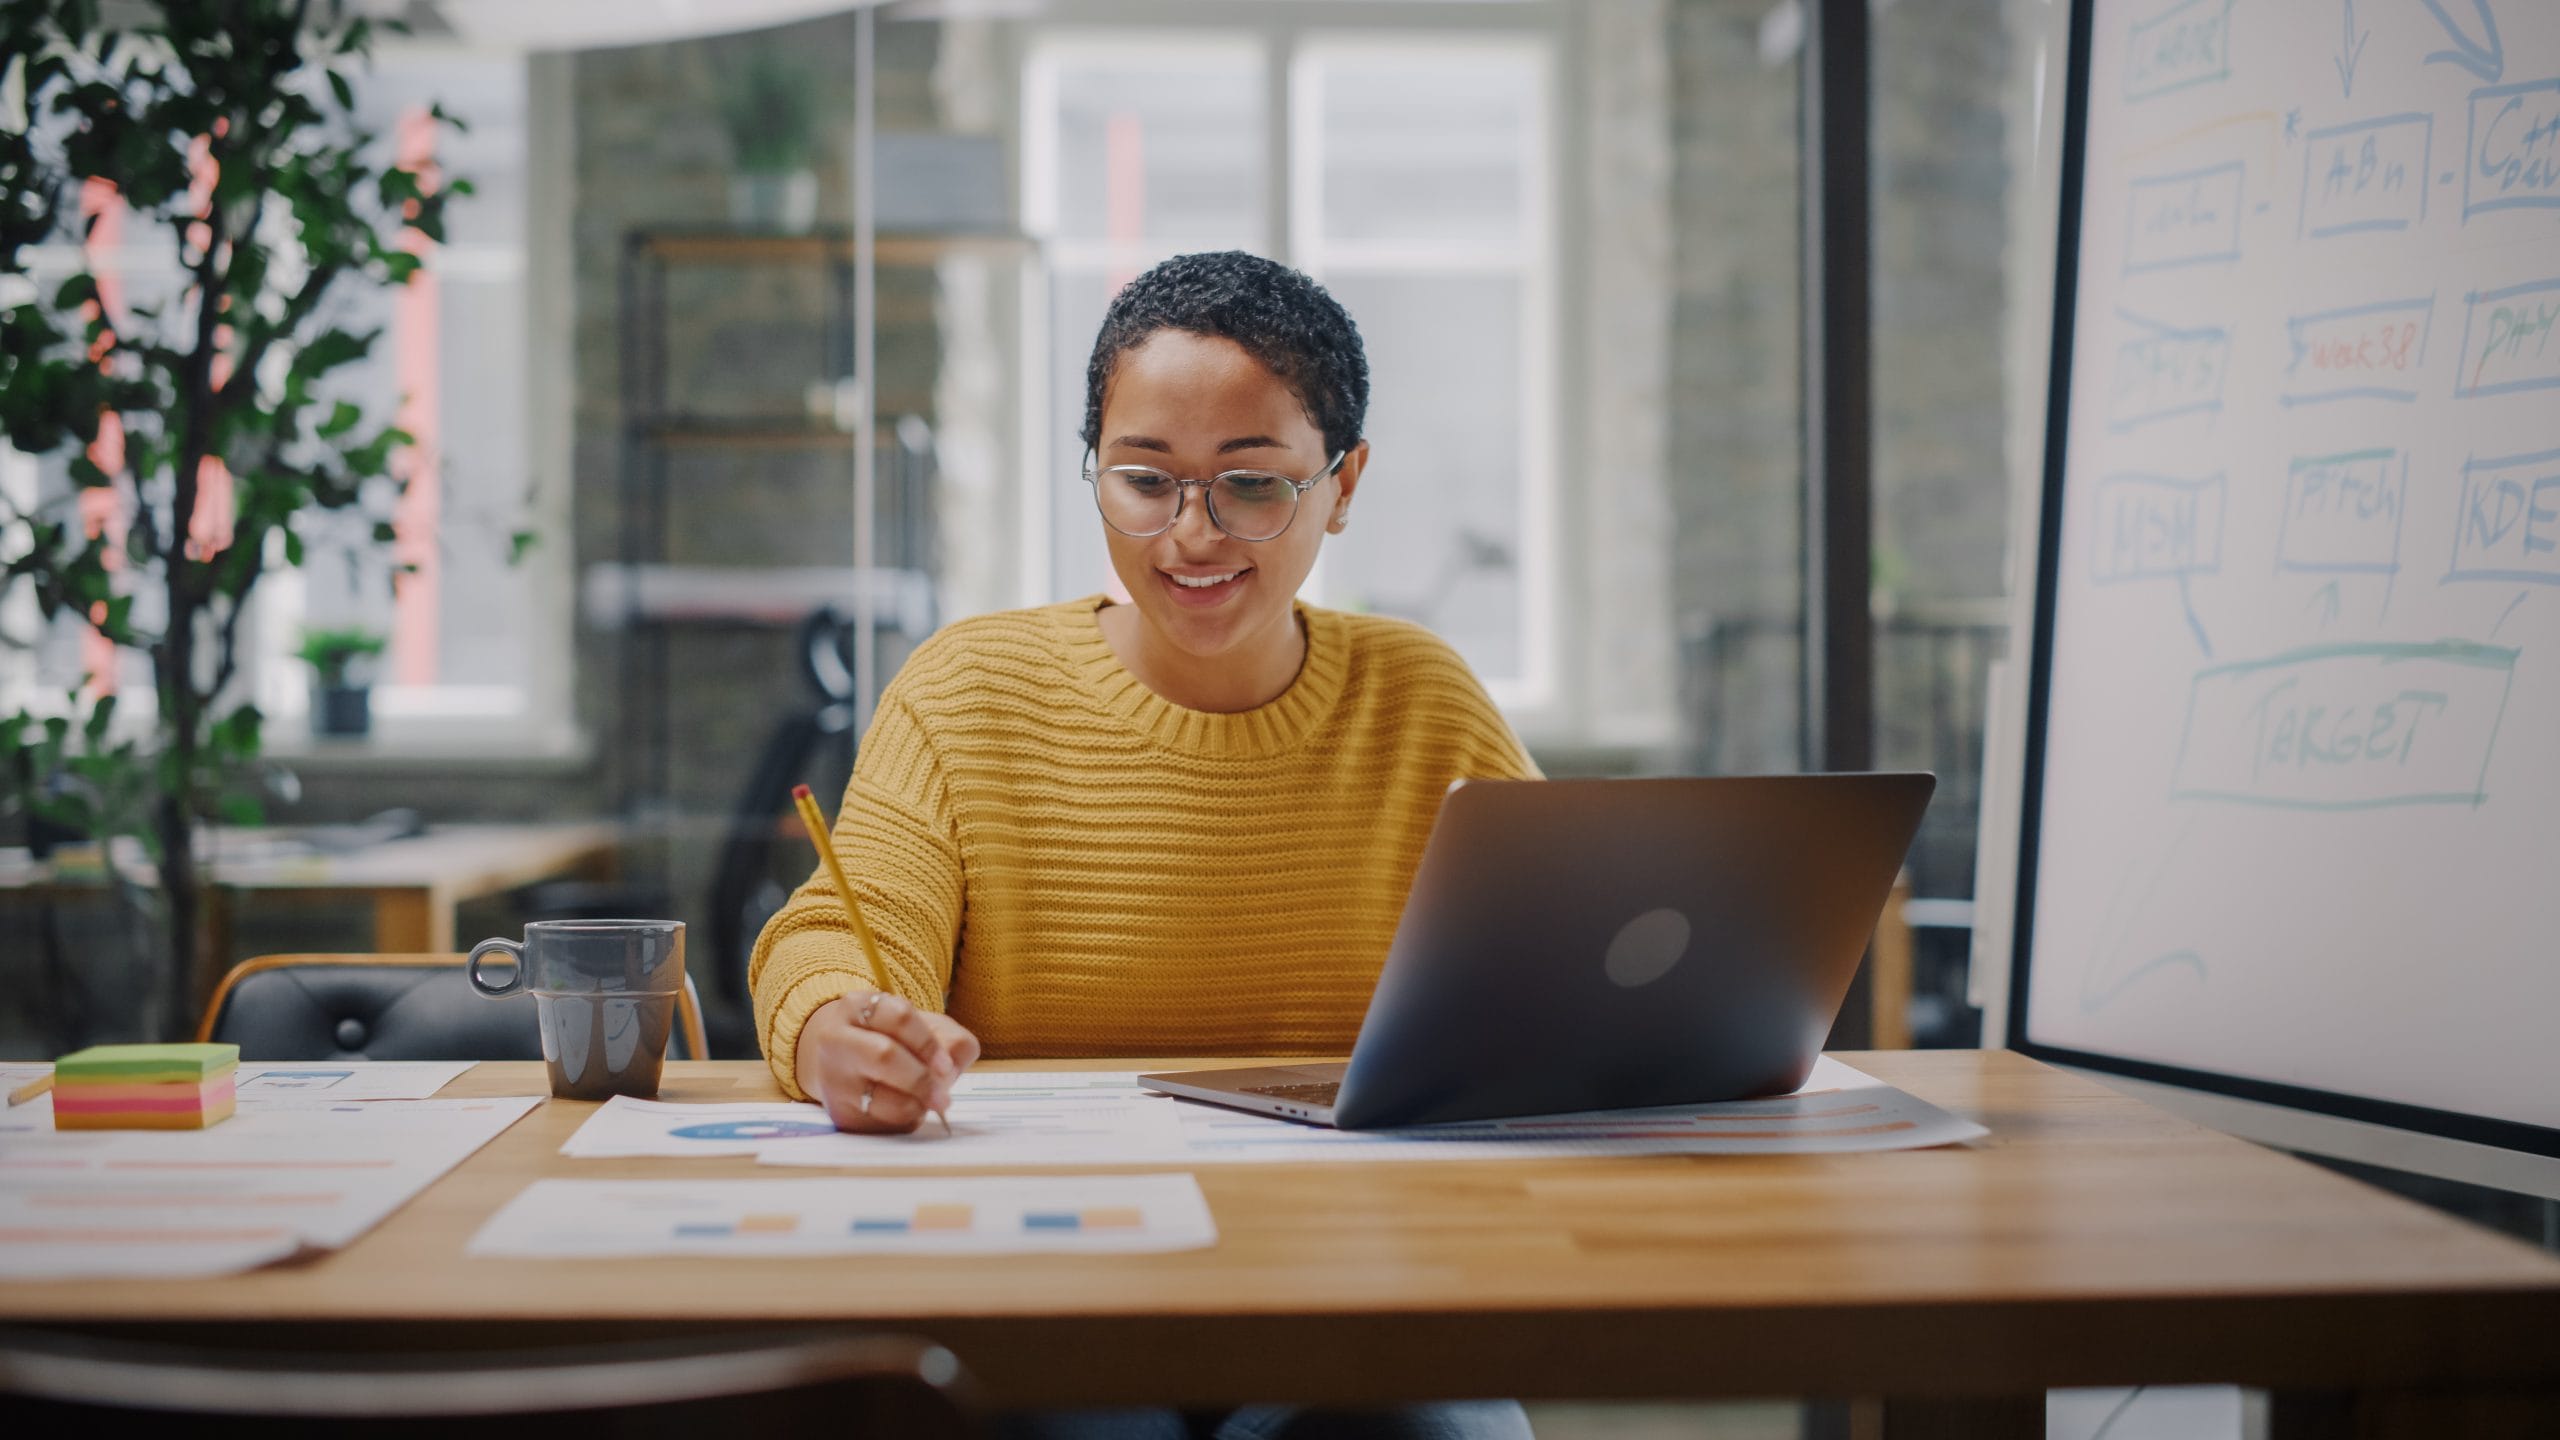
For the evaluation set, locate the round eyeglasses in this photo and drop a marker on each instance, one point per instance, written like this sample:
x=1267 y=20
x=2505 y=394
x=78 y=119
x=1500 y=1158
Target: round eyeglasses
x=1141 y=501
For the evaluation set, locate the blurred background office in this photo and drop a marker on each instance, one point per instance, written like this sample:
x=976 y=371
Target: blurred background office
x=630 y=606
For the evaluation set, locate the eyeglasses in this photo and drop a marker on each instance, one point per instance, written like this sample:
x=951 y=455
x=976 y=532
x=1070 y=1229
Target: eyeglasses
x=1141 y=501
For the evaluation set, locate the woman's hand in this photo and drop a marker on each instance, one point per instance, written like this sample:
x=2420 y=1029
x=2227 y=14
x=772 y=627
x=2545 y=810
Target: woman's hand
x=878 y=1064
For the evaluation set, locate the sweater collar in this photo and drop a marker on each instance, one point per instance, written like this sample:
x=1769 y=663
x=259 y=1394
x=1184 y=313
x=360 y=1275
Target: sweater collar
x=1264 y=730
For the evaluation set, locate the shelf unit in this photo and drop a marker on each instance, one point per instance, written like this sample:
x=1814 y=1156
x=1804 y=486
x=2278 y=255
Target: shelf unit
x=645 y=592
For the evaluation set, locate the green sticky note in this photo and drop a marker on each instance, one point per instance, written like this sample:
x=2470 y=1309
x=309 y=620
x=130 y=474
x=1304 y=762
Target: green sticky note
x=131 y=1064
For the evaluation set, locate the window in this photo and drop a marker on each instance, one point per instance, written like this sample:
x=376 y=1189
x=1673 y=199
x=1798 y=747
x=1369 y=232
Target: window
x=478 y=645
x=1411 y=176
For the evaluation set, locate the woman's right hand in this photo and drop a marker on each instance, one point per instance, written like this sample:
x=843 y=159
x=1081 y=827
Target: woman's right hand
x=880 y=1065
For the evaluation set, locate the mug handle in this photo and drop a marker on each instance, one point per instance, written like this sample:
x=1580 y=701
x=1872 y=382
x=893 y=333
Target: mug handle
x=471 y=968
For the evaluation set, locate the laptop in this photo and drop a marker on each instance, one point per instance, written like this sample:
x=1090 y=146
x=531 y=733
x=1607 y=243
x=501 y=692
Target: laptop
x=1575 y=945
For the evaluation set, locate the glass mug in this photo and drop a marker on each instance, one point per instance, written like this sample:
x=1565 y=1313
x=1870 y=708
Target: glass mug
x=605 y=994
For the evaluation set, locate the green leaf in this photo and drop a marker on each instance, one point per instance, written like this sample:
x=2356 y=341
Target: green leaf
x=343 y=417
x=521 y=544
x=339 y=87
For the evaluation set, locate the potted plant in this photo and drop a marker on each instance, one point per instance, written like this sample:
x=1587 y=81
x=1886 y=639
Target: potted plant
x=341 y=702
x=770 y=107
x=199 y=436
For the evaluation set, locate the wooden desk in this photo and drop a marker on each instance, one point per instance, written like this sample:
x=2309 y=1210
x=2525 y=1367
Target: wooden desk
x=411 y=885
x=2092 y=1240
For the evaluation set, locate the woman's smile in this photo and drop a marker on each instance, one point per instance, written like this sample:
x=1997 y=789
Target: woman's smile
x=1200 y=588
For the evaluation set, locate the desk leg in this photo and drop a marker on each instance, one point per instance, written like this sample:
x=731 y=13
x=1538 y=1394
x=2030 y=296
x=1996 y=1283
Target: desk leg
x=2413 y=1414
x=410 y=922
x=2002 y=1417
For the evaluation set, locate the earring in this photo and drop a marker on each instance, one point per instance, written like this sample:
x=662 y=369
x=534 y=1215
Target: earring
x=1341 y=520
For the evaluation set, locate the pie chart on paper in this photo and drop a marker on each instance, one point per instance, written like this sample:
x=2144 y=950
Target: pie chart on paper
x=752 y=1130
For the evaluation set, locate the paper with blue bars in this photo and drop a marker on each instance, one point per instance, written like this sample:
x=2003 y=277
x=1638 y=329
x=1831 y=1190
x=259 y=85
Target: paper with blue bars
x=986 y=1215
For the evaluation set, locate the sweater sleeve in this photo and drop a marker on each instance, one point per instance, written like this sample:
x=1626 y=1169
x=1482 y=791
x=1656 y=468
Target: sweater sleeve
x=894 y=835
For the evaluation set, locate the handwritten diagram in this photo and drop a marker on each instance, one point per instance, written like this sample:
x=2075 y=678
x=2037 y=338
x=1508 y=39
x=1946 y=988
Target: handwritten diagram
x=2300 y=771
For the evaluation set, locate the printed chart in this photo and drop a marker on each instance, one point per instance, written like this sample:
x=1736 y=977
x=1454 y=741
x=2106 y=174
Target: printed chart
x=1018 y=1118
x=1107 y=1118
x=586 y=1219
x=256 y=1188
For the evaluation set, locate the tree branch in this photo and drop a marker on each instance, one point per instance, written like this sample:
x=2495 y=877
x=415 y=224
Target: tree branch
x=228 y=663
x=305 y=302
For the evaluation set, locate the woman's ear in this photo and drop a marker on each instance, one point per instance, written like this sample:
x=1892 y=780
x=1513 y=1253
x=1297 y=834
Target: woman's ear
x=1346 y=480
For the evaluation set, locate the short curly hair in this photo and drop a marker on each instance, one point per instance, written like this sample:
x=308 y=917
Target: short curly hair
x=1278 y=315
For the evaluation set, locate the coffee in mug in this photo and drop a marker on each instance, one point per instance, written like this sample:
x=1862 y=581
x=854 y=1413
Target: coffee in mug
x=605 y=994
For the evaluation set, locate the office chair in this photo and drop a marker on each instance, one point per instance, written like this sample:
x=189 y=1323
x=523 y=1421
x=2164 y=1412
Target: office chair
x=854 y=1385
x=744 y=893
x=385 y=1007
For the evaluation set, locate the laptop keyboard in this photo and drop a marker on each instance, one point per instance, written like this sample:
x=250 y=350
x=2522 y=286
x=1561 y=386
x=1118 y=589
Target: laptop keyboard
x=1313 y=1092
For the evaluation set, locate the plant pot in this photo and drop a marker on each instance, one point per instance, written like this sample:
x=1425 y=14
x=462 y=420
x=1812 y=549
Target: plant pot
x=786 y=201
x=343 y=710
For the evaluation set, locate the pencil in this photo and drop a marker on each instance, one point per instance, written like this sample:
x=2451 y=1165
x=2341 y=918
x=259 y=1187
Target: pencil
x=817 y=823
x=30 y=1090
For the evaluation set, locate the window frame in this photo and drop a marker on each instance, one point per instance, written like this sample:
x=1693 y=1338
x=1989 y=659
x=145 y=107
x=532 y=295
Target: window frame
x=433 y=722
x=1540 y=700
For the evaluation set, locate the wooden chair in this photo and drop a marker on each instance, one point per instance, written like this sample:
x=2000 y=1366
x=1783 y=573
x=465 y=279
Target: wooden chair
x=851 y=1384
x=384 y=1007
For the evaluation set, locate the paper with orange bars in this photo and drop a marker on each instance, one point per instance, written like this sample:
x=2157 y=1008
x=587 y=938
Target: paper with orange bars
x=781 y=1219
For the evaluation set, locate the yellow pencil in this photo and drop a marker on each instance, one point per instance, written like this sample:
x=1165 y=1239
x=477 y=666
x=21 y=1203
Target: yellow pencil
x=30 y=1090
x=817 y=823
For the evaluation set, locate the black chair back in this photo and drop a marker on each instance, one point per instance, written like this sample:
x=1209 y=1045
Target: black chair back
x=356 y=1010
x=744 y=893
x=386 y=1007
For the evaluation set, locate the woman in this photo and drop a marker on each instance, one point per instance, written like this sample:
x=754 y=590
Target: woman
x=1179 y=826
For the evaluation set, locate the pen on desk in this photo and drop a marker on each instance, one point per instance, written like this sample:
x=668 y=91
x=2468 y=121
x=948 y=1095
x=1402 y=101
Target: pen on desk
x=817 y=823
x=30 y=1090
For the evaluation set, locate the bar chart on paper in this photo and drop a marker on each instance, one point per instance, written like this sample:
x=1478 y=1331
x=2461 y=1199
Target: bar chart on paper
x=260 y=1186
x=589 y=1219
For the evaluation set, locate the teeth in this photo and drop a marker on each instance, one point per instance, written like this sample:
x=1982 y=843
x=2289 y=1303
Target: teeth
x=1203 y=582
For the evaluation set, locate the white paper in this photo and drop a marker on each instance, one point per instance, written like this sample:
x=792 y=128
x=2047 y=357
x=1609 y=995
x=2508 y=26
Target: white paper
x=1839 y=1110
x=779 y=1219
x=1108 y=1118
x=330 y=1082
x=251 y=1189
x=272 y=1086
x=998 y=1119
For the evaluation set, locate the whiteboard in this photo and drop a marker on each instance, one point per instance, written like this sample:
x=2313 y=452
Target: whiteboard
x=2291 y=828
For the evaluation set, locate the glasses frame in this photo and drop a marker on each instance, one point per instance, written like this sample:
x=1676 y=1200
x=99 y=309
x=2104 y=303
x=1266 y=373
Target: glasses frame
x=1208 y=494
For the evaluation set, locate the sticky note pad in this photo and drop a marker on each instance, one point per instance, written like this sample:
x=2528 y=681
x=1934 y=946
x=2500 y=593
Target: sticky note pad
x=143 y=1107
x=127 y=1064
x=145 y=1087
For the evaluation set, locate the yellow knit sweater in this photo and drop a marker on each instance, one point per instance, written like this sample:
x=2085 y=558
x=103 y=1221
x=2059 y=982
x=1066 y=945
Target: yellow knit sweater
x=1071 y=865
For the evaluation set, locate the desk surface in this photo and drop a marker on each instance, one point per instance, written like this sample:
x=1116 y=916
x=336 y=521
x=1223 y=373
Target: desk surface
x=2091 y=1239
x=470 y=860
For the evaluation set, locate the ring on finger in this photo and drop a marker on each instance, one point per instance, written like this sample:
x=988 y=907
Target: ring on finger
x=870 y=1003
x=864 y=1104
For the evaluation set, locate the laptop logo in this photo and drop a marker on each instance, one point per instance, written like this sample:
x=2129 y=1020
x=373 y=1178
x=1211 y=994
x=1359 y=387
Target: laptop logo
x=1646 y=948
